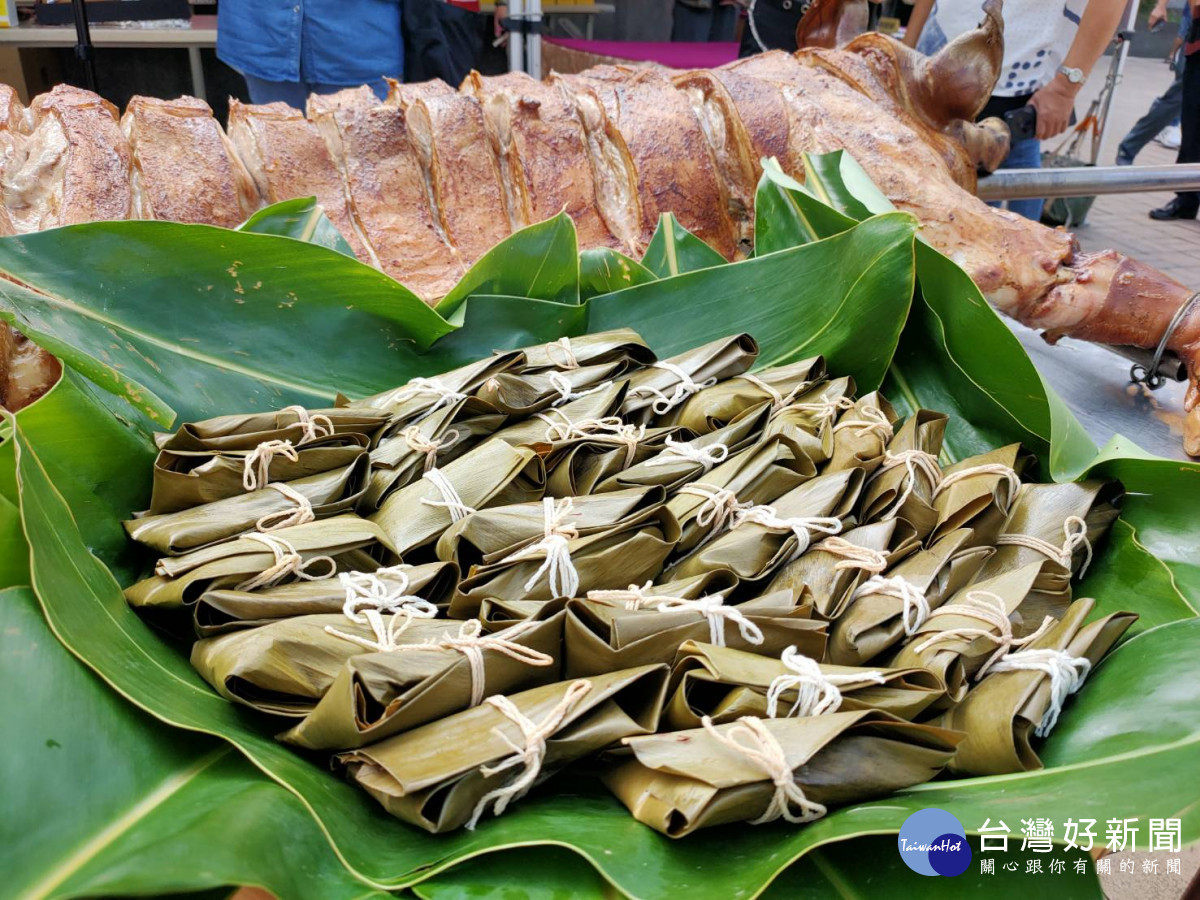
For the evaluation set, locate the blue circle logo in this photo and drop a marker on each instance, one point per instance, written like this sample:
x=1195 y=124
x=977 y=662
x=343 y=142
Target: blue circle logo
x=933 y=842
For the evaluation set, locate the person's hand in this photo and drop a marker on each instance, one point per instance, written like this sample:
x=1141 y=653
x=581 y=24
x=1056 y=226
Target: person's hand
x=498 y=18
x=1158 y=14
x=1054 y=103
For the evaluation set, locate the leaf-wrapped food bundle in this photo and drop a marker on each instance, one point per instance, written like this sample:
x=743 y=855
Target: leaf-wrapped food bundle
x=187 y=478
x=559 y=565
x=377 y=695
x=833 y=569
x=724 y=684
x=301 y=552
x=451 y=772
x=1022 y=693
x=571 y=421
x=498 y=613
x=904 y=483
x=599 y=636
x=970 y=628
x=1056 y=525
x=978 y=493
x=760 y=770
x=421 y=396
x=887 y=607
x=491 y=474
x=620 y=345
x=285 y=667
x=809 y=419
x=759 y=475
x=718 y=405
x=403 y=455
x=525 y=393
x=681 y=461
x=861 y=434
x=222 y=610
x=487 y=536
x=576 y=467
x=294 y=424
x=270 y=507
x=664 y=385
x=764 y=537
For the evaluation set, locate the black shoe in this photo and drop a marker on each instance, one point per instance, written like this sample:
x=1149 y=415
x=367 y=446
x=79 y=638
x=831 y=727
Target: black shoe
x=1173 y=210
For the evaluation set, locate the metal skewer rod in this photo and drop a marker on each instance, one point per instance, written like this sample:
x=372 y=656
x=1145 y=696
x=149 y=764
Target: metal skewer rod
x=1086 y=181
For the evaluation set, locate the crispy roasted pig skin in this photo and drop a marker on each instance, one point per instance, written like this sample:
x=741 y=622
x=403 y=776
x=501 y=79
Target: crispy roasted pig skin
x=185 y=167
x=374 y=150
x=287 y=158
x=72 y=167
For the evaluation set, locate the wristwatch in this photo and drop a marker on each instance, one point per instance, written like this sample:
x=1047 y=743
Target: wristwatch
x=1075 y=76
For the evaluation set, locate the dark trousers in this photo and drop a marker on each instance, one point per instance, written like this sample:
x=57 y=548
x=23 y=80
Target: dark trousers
x=717 y=23
x=775 y=22
x=1189 y=145
x=1163 y=111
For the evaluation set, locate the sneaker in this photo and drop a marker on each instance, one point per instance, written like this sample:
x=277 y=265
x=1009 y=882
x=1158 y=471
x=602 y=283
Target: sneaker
x=1170 y=137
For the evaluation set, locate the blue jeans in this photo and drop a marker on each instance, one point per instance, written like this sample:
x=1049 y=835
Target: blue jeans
x=1026 y=154
x=295 y=93
x=1163 y=111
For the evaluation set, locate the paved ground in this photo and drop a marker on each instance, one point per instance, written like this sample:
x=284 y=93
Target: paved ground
x=1120 y=220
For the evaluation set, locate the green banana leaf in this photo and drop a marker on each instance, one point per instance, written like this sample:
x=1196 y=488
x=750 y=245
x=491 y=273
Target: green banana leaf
x=844 y=294
x=123 y=806
x=674 y=250
x=302 y=219
x=603 y=270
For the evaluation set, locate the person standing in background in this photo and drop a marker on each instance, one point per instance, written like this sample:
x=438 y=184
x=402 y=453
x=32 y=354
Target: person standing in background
x=1185 y=203
x=288 y=49
x=704 y=20
x=1049 y=51
x=1164 y=111
x=771 y=25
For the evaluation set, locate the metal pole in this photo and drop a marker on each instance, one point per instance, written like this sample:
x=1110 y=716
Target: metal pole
x=83 y=44
x=516 y=40
x=1122 y=53
x=1087 y=181
x=533 y=47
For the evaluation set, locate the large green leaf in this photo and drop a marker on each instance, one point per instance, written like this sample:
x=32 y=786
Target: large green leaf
x=102 y=800
x=540 y=261
x=673 y=250
x=213 y=319
x=603 y=270
x=302 y=219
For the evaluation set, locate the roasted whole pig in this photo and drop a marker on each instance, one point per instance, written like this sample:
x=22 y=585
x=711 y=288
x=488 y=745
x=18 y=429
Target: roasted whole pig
x=423 y=184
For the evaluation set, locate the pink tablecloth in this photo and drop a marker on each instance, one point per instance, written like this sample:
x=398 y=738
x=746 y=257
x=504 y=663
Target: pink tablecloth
x=675 y=55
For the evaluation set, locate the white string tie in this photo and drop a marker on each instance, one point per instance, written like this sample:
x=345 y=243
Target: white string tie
x=713 y=609
x=562 y=345
x=419 y=443
x=719 y=506
x=916 y=607
x=560 y=572
x=632 y=597
x=529 y=754
x=873 y=421
x=824 y=411
x=567 y=392
x=610 y=429
x=762 y=748
x=989 y=608
x=816 y=693
x=707 y=457
x=1005 y=472
x=853 y=556
x=451 y=501
x=301 y=514
x=1066 y=673
x=801 y=526
x=256 y=466
x=446 y=396
x=778 y=400
x=1075 y=535
x=368 y=592
x=471 y=644
x=684 y=389
x=311 y=427
x=288 y=561
x=914 y=461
